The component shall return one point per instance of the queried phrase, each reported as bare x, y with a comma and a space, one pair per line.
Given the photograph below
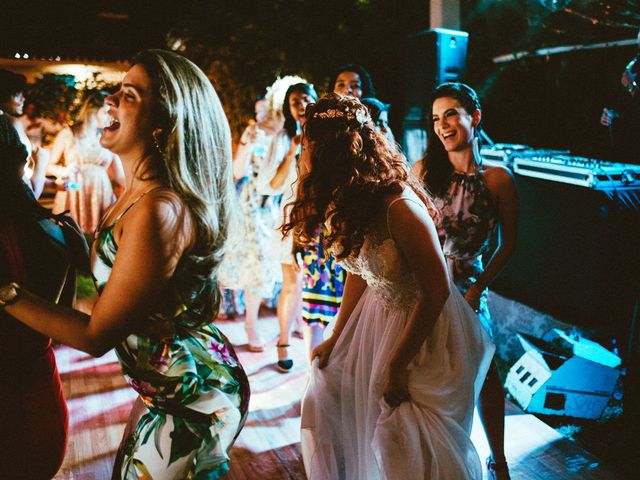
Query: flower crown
359, 114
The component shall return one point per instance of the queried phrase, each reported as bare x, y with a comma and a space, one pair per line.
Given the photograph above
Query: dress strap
136, 200
392, 202
120, 215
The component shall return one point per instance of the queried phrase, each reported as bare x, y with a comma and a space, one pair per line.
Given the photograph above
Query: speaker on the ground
433, 57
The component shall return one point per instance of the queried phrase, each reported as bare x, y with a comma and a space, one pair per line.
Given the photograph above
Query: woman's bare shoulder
497, 176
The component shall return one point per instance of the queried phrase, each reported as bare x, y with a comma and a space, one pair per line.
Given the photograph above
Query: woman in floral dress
249, 264
155, 258
323, 277
473, 201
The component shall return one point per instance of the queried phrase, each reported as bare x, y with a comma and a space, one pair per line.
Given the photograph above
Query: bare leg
491, 410
289, 305
252, 307
313, 336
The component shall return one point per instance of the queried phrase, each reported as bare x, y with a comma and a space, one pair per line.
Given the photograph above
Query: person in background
86, 171
384, 399
624, 124
380, 116
155, 258
249, 264
34, 414
40, 131
278, 177
475, 202
322, 278
352, 79
12, 86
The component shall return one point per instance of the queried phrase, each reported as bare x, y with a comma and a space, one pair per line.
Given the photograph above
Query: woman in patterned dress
323, 278
473, 201
155, 258
249, 264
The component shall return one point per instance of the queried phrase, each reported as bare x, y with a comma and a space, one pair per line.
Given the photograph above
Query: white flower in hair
277, 91
362, 115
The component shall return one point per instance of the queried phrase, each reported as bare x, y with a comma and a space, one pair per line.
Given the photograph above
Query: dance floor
269, 446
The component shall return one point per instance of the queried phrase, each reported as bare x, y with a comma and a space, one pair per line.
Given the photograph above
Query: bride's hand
396, 389
323, 351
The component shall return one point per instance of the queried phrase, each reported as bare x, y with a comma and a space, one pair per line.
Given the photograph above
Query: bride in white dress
392, 390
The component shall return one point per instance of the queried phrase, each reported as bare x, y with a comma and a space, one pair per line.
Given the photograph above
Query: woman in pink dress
89, 169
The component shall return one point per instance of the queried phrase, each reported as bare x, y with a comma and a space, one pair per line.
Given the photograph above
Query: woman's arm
283, 171
40, 160
503, 190
415, 235
243, 152
354, 287
151, 237
56, 165
277, 151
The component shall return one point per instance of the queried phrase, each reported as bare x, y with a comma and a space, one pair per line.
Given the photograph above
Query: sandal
254, 343
497, 470
284, 366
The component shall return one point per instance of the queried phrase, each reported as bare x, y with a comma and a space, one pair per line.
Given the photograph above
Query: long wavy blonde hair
195, 146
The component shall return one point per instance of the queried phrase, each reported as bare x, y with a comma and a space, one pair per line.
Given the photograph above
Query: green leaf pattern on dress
181, 367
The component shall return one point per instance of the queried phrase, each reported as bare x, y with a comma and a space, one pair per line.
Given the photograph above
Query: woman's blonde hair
194, 147
85, 126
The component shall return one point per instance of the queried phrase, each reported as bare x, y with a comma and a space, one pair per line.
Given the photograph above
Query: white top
277, 151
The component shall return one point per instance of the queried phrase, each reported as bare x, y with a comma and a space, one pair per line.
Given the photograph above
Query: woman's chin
107, 140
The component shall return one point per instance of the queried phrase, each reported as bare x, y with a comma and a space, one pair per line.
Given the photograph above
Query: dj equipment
560, 166
581, 171
502, 154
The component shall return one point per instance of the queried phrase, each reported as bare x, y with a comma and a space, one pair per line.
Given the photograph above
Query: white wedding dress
349, 432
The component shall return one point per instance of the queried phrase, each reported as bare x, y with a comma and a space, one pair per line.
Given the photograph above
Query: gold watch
9, 294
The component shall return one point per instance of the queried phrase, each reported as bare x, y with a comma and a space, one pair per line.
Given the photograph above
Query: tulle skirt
348, 430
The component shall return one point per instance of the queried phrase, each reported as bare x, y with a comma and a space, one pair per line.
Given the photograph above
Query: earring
154, 135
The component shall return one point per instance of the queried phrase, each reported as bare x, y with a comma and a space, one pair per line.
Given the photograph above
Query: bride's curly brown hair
352, 169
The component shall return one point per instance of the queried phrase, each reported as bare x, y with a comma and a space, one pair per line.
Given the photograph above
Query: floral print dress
194, 391
249, 263
468, 218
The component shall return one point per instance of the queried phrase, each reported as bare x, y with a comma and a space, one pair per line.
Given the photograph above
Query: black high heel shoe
284, 366
497, 468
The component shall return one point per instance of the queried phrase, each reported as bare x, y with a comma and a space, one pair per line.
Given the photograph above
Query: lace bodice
386, 272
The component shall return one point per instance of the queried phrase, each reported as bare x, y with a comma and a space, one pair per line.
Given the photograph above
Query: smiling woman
155, 257
474, 202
